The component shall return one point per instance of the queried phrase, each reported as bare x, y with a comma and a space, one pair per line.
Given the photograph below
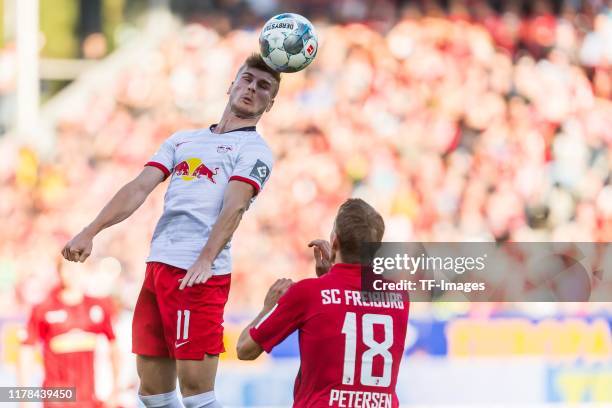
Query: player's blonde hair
357, 222
256, 61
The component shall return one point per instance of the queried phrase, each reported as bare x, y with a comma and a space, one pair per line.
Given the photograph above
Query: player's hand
78, 248
322, 254
198, 273
277, 290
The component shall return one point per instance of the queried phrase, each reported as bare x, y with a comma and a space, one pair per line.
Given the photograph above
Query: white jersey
201, 164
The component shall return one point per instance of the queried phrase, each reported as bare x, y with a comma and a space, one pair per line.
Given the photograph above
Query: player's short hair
357, 222
256, 61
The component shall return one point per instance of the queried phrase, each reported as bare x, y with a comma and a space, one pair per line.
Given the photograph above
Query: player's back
351, 342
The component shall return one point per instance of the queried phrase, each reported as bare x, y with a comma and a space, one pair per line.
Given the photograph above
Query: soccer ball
288, 42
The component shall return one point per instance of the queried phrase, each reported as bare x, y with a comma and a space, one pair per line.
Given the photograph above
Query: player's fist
277, 290
322, 253
78, 248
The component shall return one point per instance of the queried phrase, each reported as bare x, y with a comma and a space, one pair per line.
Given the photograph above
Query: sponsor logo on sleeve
260, 172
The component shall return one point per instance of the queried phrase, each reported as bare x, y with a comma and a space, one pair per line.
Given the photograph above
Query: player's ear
335, 243
229, 90
270, 104
335, 247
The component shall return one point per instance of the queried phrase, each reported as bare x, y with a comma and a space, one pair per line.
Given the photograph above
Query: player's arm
121, 206
106, 328
247, 348
235, 202
115, 356
29, 338
25, 362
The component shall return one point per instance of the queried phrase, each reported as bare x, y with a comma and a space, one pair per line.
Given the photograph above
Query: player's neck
230, 121
71, 296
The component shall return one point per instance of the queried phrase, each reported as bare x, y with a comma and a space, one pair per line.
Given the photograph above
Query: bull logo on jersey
193, 168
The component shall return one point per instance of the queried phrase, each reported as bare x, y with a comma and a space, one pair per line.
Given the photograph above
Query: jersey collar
242, 129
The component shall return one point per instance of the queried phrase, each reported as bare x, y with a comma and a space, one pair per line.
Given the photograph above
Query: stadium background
462, 119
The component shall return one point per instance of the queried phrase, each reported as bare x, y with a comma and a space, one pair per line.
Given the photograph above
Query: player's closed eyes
262, 84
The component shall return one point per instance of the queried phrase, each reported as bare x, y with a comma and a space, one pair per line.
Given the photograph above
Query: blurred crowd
8, 79
469, 122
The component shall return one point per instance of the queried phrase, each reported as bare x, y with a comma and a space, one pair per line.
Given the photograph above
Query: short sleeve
254, 164
33, 331
285, 317
163, 158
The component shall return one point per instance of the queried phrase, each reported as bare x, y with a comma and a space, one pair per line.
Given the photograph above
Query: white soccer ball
288, 42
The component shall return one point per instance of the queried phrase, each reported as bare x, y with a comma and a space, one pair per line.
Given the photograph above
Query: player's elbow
245, 355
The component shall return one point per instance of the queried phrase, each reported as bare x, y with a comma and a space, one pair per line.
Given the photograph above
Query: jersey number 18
349, 329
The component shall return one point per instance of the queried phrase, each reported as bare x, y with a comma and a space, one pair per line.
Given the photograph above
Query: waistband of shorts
183, 270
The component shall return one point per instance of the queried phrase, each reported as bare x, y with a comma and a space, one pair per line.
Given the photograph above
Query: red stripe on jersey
248, 181
159, 166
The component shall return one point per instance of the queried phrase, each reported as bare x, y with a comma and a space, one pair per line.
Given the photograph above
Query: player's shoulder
305, 287
308, 283
183, 134
40, 309
254, 140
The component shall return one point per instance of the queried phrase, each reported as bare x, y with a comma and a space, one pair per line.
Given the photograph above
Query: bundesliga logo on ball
288, 42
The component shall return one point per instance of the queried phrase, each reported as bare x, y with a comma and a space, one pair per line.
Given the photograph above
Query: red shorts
181, 324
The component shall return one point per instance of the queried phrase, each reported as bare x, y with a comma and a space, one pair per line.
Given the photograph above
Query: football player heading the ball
214, 174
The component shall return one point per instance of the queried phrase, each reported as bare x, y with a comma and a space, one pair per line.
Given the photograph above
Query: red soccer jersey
351, 342
68, 335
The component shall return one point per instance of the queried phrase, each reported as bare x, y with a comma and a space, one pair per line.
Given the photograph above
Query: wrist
266, 309
205, 260
258, 318
91, 231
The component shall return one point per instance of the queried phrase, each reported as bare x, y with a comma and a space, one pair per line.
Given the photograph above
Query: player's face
252, 92
71, 275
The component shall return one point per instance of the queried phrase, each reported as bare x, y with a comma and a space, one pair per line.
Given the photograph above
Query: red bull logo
182, 169
193, 168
